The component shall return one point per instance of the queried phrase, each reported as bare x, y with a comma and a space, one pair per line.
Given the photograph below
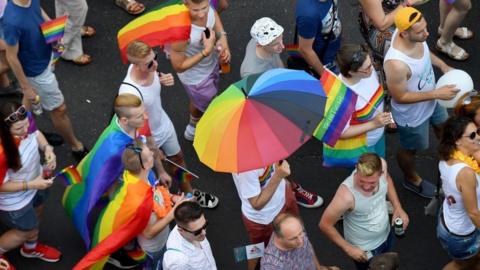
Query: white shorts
171, 147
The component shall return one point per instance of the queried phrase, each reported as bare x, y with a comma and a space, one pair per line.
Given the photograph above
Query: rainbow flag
69, 175
123, 219
340, 105
166, 23
53, 30
292, 50
99, 170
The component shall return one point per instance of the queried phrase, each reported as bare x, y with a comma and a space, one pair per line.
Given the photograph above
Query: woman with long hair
459, 219
22, 185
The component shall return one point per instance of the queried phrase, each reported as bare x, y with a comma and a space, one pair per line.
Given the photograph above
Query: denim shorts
458, 247
154, 259
24, 219
416, 138
383, 248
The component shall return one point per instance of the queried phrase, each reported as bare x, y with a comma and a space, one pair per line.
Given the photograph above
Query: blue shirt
314, 19
21, 26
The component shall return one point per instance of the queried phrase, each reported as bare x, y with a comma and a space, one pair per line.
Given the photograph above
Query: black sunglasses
199, 231
137, 150
18, 115
150, 64
473, 134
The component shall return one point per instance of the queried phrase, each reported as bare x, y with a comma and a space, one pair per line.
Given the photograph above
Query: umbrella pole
181, 167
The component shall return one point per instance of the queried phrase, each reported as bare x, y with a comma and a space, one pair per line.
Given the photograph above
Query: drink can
37, 106
398, 227
47, 173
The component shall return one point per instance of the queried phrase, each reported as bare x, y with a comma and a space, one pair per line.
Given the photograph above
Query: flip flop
460, 33
82, 60
87, 31
127, 6
448, 49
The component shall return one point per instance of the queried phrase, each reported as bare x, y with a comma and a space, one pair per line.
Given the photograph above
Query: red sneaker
5, 264
306, 198
42, 252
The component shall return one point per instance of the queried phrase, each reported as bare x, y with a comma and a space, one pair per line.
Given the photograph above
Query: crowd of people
138, 156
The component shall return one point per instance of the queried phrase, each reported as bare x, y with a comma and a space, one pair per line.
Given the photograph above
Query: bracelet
220, 34
24, 185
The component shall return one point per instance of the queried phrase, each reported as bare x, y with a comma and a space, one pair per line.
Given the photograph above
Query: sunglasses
199, 231
150, 64
137, 150
18, 115
473, 134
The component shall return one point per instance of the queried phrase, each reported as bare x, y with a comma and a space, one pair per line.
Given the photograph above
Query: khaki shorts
46, 85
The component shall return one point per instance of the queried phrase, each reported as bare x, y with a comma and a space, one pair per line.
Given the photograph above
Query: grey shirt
253, 64
297, 259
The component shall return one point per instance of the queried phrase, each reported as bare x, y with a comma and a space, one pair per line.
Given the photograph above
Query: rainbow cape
123, 219
99, 170
3, 157
53, 30
340, 105
346, 152
166, 23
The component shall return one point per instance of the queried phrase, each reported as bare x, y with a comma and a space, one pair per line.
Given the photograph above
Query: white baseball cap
265, 30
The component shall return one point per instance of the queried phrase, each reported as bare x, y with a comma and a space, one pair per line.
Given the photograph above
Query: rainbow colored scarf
123, 219
346, 152
99, 169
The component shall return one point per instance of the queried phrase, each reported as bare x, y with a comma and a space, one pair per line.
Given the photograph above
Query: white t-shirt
183, 255
250, 184
365, 89
160, 124
30, 158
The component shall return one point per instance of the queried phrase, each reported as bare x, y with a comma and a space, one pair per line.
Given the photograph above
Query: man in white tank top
360, 199
411, 83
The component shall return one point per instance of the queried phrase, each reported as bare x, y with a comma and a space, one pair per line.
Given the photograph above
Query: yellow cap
406, 17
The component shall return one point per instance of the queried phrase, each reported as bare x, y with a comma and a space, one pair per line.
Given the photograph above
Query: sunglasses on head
150, 64
199, 231
137, 150
473, 134
18, 115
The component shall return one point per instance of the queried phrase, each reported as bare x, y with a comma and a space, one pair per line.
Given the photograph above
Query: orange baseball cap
406, 17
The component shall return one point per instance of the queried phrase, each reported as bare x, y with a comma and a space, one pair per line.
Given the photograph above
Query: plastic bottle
36, 106
224, 66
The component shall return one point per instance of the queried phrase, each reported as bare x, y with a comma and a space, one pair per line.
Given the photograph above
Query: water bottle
37, 106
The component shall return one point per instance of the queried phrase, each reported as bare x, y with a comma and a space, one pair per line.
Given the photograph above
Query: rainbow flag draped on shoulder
165, 23
340, 105
346, 152
99, 169
123, 219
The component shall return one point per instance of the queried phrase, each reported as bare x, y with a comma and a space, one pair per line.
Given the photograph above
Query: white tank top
202, 69
421, 80
454, 213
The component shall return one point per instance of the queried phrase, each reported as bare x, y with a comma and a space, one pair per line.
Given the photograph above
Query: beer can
398, 227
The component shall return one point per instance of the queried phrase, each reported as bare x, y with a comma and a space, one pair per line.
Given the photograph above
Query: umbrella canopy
259, 120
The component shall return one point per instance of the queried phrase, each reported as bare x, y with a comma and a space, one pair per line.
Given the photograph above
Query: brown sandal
82, 60
87, 31
129, 6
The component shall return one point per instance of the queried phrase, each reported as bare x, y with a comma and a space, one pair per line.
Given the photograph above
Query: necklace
469, 160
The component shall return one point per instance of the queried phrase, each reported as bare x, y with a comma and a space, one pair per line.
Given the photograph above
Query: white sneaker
189, 133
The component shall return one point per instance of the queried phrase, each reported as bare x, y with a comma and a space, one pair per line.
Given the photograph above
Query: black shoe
121, 260
53, 138
80, 154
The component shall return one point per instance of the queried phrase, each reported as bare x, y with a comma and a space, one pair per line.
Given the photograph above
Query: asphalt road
89, 92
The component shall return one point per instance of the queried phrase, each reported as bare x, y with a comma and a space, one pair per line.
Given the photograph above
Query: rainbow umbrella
259, 120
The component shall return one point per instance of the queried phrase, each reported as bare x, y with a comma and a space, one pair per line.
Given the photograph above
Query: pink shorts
202, 94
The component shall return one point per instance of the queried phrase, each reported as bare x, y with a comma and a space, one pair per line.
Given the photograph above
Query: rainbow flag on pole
70, 176
340, 105
166, 23
54, 30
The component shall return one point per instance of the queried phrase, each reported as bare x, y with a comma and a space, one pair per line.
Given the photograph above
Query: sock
30, 244
193, 121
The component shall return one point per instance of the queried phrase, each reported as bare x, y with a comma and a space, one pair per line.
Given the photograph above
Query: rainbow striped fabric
53, 30
99, 170
70, 176
340, 105
123, 219
346, 152
166, 23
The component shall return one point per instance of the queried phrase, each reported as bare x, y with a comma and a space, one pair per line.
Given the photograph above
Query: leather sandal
452, 50
460, 33
82, 60
87, 31
132, 7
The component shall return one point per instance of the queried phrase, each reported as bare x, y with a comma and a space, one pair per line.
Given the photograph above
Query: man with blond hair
360, 199
145, 82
